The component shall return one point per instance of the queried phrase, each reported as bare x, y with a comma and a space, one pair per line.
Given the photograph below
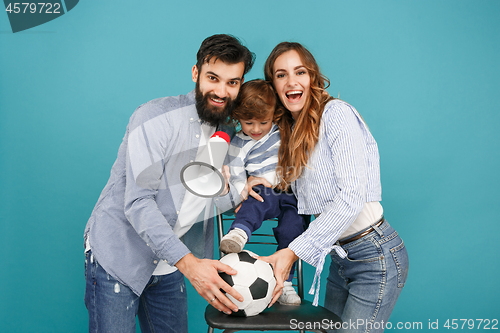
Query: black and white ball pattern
254, 281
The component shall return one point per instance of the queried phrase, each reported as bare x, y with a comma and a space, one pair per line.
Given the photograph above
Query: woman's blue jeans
363, 288
113, 307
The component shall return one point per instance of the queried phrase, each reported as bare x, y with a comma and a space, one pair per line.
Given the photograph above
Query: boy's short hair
256, 100
225, 48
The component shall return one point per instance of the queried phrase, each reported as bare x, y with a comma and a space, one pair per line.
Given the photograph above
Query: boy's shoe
289, 295
234, 241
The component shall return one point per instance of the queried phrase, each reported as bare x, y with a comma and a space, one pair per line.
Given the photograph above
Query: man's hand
282, 262
227, 175
202, 273
251, 182
237, 209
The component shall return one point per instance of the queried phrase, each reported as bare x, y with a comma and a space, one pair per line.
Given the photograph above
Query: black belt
363, 234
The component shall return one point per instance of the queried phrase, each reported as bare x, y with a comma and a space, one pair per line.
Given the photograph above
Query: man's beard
211, 114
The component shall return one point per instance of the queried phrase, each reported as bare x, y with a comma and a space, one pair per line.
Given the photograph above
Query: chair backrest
263, 236
279, 317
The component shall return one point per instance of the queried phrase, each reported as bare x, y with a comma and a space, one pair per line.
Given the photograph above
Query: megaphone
203, 177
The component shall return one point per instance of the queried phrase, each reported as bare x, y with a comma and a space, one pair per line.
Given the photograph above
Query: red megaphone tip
222, 135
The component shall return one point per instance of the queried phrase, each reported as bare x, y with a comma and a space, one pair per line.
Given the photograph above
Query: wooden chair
278, 317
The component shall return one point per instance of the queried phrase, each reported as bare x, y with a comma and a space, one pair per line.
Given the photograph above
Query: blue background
424, 74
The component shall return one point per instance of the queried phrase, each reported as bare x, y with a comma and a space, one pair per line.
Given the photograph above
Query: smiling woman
292, 82
331, 160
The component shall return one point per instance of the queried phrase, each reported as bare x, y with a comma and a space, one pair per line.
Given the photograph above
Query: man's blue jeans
363, 288
113, 307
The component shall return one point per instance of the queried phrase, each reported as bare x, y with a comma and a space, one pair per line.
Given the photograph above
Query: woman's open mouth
294, 96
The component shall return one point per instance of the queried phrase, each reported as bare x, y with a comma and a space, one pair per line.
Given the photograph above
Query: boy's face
257, 128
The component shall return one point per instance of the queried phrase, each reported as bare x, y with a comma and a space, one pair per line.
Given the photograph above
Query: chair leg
210, 329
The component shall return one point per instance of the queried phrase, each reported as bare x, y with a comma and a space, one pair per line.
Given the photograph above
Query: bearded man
137, 239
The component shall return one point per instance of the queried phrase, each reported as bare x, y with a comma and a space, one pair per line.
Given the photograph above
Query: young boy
254, 152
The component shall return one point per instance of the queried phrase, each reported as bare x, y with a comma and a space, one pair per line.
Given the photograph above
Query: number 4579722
485, 324
33, 7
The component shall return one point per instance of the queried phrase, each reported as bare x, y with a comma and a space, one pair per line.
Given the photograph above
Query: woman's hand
251, 182
282, 262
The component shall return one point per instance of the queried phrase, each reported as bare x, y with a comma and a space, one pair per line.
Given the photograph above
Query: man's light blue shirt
131, 226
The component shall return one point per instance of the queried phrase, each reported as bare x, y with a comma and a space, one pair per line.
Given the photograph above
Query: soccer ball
254, 281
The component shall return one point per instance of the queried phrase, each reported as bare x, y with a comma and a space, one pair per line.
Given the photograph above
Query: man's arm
145, 163
146, 158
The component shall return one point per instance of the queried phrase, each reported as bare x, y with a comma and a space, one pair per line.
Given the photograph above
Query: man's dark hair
225, 48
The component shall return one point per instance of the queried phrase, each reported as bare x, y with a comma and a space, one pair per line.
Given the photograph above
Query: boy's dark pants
281, 205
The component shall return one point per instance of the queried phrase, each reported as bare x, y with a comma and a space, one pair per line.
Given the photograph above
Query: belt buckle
364, 233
